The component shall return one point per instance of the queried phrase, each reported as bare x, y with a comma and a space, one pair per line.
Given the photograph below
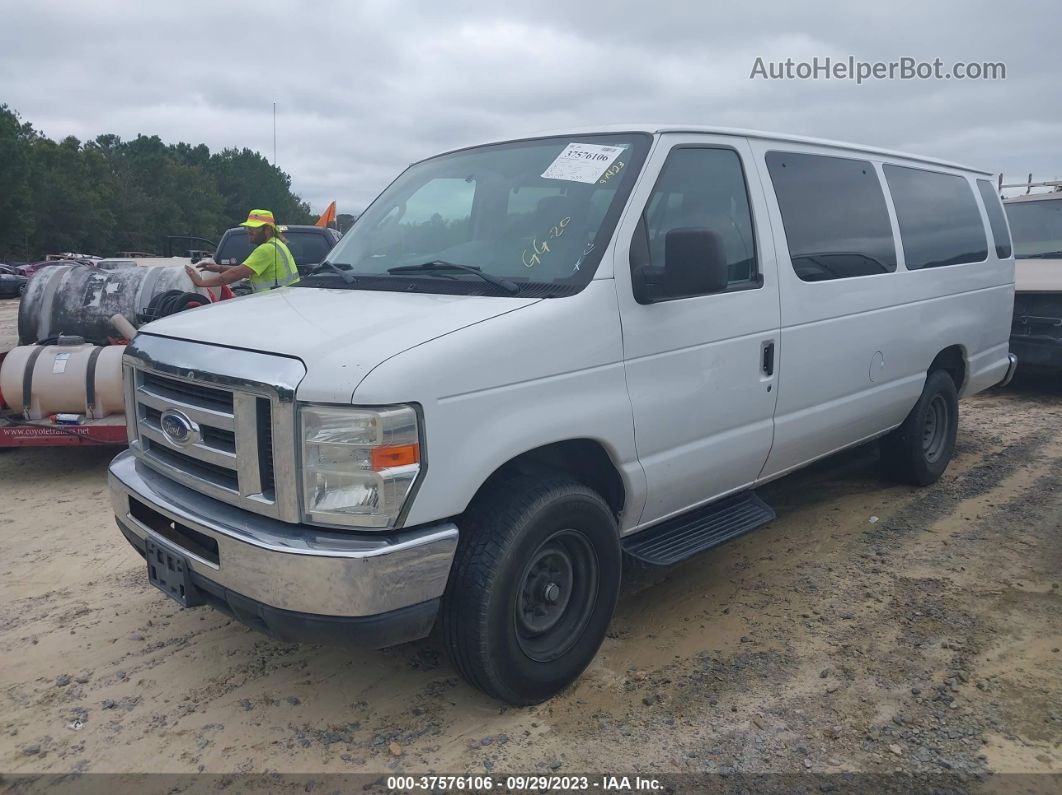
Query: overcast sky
364, 88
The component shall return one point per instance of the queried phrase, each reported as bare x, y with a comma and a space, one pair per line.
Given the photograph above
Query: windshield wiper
327, 268
442, 265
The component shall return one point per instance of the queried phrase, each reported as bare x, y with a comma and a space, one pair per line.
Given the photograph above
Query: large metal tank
79, 300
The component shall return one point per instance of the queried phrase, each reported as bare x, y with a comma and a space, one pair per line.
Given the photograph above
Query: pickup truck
308, 245
530, 360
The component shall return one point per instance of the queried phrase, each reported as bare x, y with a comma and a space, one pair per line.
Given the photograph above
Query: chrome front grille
211, 398
241, 448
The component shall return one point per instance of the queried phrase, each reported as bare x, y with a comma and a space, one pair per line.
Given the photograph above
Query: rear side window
308, 248
1037, 227
995, 218
938, 218
834, 213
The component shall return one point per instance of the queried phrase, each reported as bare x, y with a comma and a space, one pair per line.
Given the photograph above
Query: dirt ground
871, 627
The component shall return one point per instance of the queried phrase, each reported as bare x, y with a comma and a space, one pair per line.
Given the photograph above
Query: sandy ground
871, 627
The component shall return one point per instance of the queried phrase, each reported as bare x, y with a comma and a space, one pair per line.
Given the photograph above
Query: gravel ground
871, 628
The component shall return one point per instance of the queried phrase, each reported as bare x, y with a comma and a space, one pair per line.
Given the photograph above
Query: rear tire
918, 451
533, 587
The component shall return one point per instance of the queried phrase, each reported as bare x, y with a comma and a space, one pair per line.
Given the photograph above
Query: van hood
340, 335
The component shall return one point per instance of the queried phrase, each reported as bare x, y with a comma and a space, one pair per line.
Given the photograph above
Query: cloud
363, 89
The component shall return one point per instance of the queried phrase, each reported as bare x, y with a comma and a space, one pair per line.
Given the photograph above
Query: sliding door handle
767, 361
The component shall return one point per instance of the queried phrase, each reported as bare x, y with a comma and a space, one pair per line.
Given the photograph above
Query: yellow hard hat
257, 218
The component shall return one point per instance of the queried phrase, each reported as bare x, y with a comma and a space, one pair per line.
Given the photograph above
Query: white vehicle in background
529, 358
1036, 225
70, 255
115, 263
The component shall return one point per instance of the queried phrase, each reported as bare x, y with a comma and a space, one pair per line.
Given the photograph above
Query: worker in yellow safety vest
269, 264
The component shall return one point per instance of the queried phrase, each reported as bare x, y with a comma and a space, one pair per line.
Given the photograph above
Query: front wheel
918, 451
533, 587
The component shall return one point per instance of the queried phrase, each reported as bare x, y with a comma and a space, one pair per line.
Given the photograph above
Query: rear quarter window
938, 217
996, 220
834, 213
234, 248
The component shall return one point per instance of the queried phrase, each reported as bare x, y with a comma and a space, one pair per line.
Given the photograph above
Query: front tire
533, 587
918, 451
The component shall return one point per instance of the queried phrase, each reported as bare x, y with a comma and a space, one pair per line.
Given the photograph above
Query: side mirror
694, 263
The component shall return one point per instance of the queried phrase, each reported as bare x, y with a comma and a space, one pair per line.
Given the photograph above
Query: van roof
693, 128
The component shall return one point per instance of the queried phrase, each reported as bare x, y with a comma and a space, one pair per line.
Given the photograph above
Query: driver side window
702, 188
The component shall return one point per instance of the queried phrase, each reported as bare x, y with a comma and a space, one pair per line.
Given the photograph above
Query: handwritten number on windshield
612, 171
533, 256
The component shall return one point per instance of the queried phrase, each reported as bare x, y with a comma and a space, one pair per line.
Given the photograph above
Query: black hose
171, 302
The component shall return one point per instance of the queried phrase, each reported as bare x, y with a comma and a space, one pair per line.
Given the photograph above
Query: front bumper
295, 582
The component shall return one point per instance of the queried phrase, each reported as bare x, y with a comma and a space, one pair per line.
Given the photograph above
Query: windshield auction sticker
582, 162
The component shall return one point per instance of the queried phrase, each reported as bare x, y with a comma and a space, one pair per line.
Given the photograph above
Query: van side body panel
854, 351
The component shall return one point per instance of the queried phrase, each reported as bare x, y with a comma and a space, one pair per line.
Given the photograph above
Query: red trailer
45, 433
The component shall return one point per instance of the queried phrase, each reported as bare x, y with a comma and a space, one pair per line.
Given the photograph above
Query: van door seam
779, 359
630, 401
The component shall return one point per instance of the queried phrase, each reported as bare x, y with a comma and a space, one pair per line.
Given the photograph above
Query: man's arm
231, 274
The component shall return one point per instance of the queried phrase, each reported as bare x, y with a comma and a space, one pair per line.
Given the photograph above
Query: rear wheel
918, 451
533, 587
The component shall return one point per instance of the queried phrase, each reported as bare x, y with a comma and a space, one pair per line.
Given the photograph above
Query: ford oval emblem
178, 428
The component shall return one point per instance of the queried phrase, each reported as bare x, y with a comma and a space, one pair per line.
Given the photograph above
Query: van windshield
1036, 227
534, 216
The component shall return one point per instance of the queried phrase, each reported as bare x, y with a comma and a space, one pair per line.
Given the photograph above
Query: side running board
680, 538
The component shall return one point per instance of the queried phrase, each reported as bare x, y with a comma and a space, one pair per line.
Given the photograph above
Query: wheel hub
935, 428
556, 596
547, 587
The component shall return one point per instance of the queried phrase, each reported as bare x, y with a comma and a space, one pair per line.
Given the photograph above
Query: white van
530, 358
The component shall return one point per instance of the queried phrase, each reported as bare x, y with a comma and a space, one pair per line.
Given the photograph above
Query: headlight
358, 464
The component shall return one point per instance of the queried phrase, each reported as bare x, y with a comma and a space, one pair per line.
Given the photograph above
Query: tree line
109, 195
